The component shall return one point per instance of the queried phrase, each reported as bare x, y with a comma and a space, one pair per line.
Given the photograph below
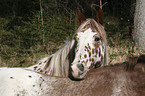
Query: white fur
16, 82
85, 38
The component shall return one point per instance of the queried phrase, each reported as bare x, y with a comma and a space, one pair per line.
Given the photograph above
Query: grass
26, 59
120, 54
23, 61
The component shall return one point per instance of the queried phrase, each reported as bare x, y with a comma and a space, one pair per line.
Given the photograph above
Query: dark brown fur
106, 81
133, 60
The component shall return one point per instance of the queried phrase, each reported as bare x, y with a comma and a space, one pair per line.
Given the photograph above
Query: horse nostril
80, 73
81, 67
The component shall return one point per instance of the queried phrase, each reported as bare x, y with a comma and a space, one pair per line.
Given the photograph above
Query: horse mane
58, 63
91, 23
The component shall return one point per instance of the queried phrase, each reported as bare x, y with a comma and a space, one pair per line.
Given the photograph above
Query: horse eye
97, 39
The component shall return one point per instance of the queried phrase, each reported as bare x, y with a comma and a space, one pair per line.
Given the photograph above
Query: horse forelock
58, 63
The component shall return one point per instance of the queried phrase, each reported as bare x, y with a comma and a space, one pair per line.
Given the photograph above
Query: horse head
91, 45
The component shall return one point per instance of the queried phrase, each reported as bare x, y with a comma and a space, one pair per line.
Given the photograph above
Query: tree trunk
41, 10
139, 24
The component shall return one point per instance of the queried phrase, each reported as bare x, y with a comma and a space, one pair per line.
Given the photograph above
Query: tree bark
41, 10
139, 24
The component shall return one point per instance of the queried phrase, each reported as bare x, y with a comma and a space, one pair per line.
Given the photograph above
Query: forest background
33, 29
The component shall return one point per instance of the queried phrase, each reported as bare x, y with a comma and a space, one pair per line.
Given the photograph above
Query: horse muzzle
79, 72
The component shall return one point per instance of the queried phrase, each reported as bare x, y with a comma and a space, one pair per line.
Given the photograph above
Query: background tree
139, 24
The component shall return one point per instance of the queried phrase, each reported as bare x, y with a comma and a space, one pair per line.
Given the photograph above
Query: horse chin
77, 78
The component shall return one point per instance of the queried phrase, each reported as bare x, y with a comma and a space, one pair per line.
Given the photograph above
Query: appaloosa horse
87, 50
112, 80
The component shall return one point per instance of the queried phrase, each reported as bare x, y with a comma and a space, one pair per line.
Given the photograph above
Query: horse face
89, 52
90, 49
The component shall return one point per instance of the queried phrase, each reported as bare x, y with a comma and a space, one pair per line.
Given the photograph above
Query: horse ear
100, 17
80, 17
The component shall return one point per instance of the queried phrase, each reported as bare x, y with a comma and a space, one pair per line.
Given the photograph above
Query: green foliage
117, 35
21, 36
59, 28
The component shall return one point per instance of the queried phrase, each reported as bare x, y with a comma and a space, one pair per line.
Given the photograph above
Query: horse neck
56, 64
